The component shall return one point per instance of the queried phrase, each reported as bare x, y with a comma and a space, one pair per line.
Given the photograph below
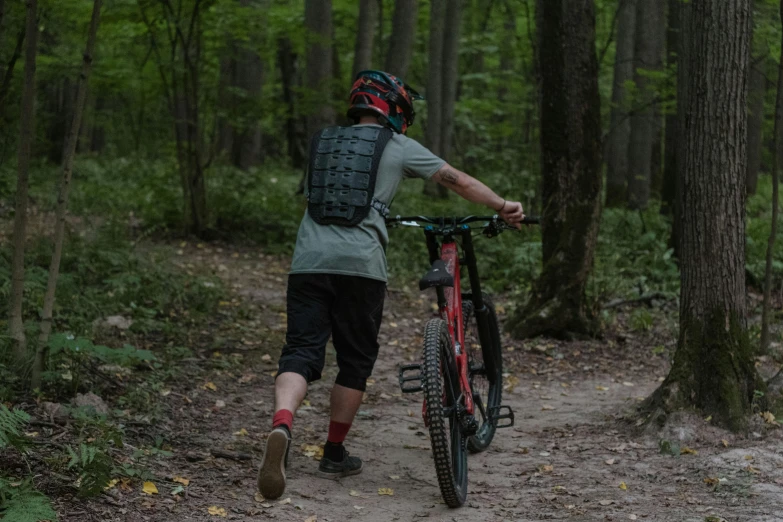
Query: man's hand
512, 213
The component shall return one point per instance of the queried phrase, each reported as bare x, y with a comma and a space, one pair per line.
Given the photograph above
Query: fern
21, 502
95, 467
11, 425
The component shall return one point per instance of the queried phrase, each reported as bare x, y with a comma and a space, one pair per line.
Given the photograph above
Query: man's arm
475, 191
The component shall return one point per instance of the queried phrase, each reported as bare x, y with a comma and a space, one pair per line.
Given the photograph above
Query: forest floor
575, 452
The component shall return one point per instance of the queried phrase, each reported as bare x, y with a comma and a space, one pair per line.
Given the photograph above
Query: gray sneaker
271, 476
345, 468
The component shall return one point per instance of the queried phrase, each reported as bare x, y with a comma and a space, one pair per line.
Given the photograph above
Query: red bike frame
451, 312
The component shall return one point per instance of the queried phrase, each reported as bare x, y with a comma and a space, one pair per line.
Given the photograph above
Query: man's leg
309, 299
356, 320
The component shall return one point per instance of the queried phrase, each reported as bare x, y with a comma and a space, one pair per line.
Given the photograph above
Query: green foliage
12, 423
633, 256
641, 320
94, 466
21, 502
71, 346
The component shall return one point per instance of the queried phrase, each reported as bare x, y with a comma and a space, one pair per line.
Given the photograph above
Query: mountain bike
461, 372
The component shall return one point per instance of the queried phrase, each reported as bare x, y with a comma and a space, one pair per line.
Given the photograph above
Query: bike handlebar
448, 220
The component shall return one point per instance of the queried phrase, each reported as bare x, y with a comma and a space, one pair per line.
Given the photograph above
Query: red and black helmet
386, 95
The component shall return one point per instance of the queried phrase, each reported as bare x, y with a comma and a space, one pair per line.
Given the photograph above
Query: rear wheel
485, 371
442, 398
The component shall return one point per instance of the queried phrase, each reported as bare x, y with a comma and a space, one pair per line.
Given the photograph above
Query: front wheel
442, 399
485, 370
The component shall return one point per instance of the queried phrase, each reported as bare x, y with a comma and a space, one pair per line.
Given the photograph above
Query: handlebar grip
531, 220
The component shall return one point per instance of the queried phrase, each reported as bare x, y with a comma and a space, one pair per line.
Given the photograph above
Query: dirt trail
567, 457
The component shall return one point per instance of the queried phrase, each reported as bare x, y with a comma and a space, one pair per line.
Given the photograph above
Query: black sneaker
345, 468
271, 476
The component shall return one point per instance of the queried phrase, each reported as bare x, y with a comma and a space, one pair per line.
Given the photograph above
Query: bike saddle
437, 276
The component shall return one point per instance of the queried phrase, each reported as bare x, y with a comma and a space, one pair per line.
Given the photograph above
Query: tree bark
365, 35
450, 76
757, 91
436, 87
620, 126
669, 189
26, 134
5, 85
287, 61
648, 55
62, 199
403, 35
318, 22
713, 368
778, 150
571, 172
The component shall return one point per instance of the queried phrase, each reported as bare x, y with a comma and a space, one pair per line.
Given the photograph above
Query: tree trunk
62, 200
365, 35
620, 126
571, 171
287, 61
318, 22
403, 35
778, 150
756, 93
669, 189
683, 93
436, 87
450, 77
26, 134
648, 55
5, 85
713, 368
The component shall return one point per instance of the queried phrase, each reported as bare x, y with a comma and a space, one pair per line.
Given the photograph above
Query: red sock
283, 418
337, 432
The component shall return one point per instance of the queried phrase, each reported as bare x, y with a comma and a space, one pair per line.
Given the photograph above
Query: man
338, 276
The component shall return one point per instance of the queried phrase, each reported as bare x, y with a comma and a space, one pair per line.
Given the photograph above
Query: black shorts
349, 308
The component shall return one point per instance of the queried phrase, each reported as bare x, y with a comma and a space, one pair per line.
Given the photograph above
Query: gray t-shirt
361, 250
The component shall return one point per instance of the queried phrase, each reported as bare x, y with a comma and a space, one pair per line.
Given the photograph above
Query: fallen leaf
220, 404
623, 486
393, 325
285, 501
306, 403
149, 488
546, 468
210, 386
354, 493
685, 450
181, 480
31, 434
751, 469
241, 433
111, 484
606, 502
394, 477
632, 517
547, 407
217, 511
609, 461
165, 393
725, 443
312, 450
386, 491
602, 388
311, 519
769, 417
258, 497
748, 457
711, 481
177, 490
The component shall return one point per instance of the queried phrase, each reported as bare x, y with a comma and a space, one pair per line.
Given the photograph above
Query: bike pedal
406, 377
500, 413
